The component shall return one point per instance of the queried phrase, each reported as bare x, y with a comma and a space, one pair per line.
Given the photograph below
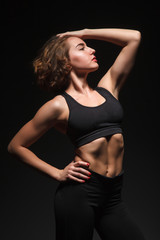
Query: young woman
89, 193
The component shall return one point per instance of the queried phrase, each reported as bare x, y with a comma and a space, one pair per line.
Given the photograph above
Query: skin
103, 155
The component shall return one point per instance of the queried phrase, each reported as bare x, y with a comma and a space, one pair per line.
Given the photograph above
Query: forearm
120, 37
30, 158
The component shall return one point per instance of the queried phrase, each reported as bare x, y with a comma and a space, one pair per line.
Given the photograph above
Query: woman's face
81, 56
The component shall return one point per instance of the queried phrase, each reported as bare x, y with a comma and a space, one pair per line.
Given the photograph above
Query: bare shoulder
46, 117
54, 109
58, 103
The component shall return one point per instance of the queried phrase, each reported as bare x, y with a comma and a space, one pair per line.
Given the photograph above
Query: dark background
27, 194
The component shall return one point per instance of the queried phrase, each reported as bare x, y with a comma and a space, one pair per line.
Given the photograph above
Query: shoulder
58, 103
52, 109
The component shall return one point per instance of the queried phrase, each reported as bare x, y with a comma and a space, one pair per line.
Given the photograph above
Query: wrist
59, 174
55, 173
90, 33
86, 32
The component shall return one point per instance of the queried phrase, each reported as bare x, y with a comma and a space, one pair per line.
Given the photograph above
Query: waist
103, 180
100, 182
100, 191
104, 155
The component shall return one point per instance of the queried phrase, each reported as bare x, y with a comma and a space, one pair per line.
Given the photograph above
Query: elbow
137, 36
10, 148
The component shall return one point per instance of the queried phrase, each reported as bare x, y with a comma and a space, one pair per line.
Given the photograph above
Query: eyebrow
80, 44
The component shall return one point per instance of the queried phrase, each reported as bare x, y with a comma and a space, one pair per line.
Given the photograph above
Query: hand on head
79, 33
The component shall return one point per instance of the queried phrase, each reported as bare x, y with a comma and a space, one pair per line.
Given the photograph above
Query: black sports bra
86, 124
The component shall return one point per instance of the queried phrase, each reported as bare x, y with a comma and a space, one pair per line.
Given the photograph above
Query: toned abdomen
104, 154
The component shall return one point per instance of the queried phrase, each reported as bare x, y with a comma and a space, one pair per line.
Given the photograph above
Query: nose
92, 51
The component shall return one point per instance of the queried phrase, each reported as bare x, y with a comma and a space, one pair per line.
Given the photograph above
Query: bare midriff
104, 155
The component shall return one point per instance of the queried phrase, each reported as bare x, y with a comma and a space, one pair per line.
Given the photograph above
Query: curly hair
52, 66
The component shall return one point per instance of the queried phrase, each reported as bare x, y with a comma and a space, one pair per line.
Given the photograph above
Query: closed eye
81, 46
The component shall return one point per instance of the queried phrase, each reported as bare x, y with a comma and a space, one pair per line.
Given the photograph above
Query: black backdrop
27, 195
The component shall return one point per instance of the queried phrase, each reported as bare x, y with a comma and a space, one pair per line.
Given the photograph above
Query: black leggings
97, 203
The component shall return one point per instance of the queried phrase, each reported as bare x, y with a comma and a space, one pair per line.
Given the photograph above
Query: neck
78, 83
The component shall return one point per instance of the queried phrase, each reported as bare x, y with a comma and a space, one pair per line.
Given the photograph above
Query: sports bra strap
69, 100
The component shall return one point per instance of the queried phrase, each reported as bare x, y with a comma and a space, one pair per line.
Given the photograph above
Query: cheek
79, 59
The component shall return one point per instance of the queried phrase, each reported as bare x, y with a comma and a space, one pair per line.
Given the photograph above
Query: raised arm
129, 40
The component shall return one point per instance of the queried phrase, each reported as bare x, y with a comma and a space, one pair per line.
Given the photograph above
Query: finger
63, 34
59, 35
75, 179
82, 170
81, 163
80, 175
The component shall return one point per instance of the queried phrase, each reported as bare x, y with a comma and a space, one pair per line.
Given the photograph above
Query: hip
99, 191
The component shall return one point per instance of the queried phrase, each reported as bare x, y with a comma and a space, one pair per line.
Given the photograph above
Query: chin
94, 69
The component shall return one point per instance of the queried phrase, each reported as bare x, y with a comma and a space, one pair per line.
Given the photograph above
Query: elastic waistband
106, 179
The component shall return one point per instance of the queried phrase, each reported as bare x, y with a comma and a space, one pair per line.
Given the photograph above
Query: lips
94, 59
